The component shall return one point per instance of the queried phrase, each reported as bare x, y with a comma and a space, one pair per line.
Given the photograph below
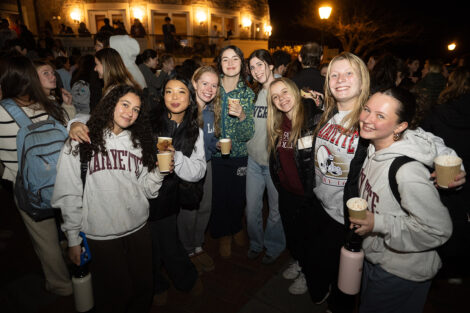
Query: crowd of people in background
310, 132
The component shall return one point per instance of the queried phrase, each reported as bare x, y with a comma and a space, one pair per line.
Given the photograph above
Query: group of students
310, 159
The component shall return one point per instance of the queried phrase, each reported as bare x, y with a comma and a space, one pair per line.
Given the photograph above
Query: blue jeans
273, 239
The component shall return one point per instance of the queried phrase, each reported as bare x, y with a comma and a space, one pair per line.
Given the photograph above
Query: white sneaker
293, 271
299, 286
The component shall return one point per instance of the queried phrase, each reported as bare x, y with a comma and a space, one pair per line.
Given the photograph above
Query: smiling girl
176, 116
400, 237
192, 223
234, 121
112, 208
290, 127
258, 177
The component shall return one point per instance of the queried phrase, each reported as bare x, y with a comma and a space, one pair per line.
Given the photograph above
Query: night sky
442, 24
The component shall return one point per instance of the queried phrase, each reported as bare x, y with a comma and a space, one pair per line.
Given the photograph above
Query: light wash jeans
273, 239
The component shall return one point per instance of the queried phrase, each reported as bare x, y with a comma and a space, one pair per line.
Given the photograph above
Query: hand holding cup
359, 216
235, 109
225, 146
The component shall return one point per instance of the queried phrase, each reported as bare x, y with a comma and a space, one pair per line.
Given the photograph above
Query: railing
187, 46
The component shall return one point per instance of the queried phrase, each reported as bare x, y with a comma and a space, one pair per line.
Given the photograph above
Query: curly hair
102, 120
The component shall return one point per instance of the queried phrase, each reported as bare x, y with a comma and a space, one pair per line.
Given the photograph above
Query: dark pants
315, 239
121, 272
228, 196
325, 250
386, 293
455, 253
169, 252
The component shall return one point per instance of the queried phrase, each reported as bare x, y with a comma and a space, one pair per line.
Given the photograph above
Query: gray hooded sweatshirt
403, 240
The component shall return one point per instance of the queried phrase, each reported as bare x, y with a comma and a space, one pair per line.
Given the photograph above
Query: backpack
38, 147
392, 173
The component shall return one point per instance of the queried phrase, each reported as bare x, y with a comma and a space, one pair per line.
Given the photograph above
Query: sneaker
293, 271
299, 286
267, 259
252, 254
160, 299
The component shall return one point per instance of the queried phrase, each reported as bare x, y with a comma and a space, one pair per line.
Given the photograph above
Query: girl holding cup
176, 116
192, 224
336, 144
234, 121
120, 157
399, 238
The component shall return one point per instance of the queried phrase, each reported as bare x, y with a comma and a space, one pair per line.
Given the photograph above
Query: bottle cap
353, 241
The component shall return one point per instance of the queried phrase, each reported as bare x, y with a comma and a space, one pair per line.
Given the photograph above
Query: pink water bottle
350, 265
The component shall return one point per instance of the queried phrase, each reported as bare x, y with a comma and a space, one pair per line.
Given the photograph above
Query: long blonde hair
215, 104
274, 120
350, 121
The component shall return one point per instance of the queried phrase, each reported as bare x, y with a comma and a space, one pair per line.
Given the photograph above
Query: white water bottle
81, 280
82, 289
351, 264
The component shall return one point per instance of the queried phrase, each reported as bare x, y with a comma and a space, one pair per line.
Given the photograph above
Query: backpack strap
392, 173
16, 112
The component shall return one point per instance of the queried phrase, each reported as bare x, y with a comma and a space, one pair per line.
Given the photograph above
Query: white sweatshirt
128, 48
114, 203
402, 241
192, 169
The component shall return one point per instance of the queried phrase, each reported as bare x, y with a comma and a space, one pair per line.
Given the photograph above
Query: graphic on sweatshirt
335, 149
120, 160
325, 162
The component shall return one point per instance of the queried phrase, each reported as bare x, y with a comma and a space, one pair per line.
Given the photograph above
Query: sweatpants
168, 252
386, 293
228, 195
121, 272
192, 224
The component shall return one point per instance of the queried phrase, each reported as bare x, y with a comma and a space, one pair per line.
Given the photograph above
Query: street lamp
324, 12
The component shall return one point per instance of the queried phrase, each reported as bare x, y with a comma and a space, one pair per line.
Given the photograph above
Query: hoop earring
396, 136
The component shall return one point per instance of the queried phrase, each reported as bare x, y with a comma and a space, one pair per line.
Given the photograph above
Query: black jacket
311, 79
305, 158
168, 201
451, 122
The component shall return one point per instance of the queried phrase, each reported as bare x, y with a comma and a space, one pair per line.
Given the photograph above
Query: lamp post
324, 12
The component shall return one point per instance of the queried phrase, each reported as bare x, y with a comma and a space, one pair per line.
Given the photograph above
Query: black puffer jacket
167, 203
